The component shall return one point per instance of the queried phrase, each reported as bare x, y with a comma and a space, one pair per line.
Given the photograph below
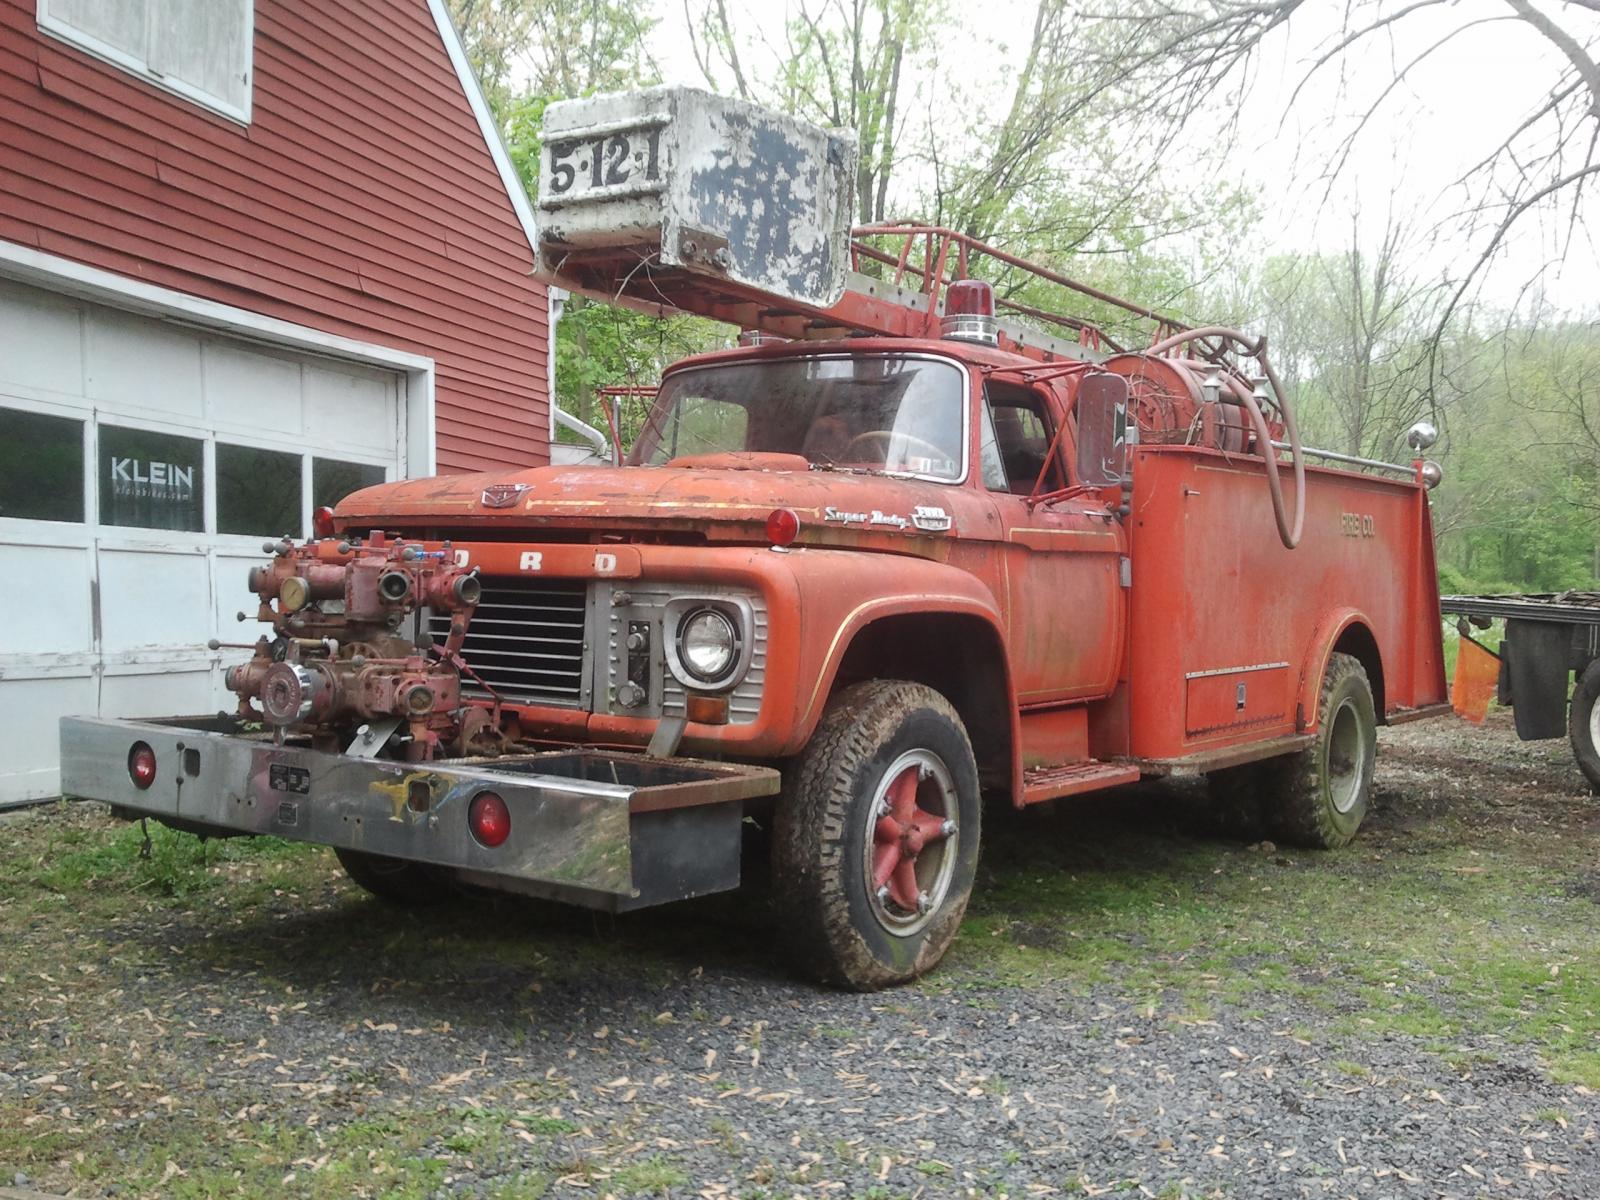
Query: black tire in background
886, 758
395, 880
1583, 723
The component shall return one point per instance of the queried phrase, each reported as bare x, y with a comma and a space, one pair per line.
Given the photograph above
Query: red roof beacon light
489, 819
322, 521
141, 765
969, 312
783, 526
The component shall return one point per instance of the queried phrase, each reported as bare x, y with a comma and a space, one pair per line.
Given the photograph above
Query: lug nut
948, 829
924, 903
924, 772
883, 894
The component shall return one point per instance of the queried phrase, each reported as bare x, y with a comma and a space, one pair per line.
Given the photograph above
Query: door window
151, 480
41, 466
258, 491
1022, 435
333, 479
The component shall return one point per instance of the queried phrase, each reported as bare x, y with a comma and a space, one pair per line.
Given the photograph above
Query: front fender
841, 593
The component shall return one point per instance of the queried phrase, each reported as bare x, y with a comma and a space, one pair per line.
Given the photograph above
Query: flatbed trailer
1549, 664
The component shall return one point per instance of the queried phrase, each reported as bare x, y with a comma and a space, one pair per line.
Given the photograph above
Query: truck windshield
888, 413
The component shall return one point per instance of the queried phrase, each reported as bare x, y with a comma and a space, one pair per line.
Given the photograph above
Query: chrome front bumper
605, 830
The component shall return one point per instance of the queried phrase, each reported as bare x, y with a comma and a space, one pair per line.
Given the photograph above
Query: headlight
708, 644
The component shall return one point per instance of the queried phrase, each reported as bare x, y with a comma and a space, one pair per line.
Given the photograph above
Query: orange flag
1477, 673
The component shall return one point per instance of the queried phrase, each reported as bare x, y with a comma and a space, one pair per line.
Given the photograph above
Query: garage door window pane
332, 480
258, 491
41, 467
151, 480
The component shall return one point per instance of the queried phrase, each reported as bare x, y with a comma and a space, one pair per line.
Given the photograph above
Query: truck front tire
395, 880
1583, 723
876, 842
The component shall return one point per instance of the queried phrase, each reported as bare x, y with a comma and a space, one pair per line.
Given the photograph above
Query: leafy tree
566, 48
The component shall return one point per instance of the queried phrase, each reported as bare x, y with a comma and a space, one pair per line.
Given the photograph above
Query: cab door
1065, 605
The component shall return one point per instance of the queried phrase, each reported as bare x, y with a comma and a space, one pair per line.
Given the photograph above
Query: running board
1052, 783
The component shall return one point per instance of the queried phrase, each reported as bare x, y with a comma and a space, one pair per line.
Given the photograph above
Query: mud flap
1537, 672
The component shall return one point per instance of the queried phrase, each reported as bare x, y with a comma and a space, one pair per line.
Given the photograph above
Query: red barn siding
361, 200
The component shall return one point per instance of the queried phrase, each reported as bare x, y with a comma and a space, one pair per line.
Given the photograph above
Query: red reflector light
969, 298
490, 819
322, 521
783, 526
141, 765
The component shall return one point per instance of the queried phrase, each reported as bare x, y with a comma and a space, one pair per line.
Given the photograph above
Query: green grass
176, 865
655, 1176
1464, 933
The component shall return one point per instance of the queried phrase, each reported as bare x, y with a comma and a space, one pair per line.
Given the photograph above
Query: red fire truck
917, 551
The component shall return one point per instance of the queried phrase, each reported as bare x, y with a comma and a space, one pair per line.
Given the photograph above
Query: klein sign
136, 479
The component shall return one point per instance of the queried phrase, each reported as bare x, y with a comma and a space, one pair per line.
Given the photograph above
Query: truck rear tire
1323, 790
1583, 723
395, 880
876, 840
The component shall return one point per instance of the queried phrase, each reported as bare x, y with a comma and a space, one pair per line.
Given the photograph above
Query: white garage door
142, 463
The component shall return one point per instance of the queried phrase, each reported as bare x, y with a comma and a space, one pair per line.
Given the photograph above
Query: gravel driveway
1135, 1006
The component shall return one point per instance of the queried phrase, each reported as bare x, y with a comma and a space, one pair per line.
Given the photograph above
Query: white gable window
199, 49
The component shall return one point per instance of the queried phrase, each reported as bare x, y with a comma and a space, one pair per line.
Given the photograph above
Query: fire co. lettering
156, 480
532, 560
1358, 525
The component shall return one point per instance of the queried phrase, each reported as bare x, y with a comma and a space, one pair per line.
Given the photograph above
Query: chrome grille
526, 641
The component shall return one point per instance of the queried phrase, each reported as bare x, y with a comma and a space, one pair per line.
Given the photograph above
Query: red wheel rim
911, 842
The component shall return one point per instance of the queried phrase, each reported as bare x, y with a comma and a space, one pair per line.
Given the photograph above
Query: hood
719, 503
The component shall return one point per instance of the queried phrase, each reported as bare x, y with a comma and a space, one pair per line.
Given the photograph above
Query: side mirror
1102, 409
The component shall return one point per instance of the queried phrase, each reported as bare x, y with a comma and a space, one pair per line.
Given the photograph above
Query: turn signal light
141, 765
783, 526
706, 710
322, 521
489, 819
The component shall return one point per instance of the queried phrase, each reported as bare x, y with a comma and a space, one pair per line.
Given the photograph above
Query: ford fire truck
912, 550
